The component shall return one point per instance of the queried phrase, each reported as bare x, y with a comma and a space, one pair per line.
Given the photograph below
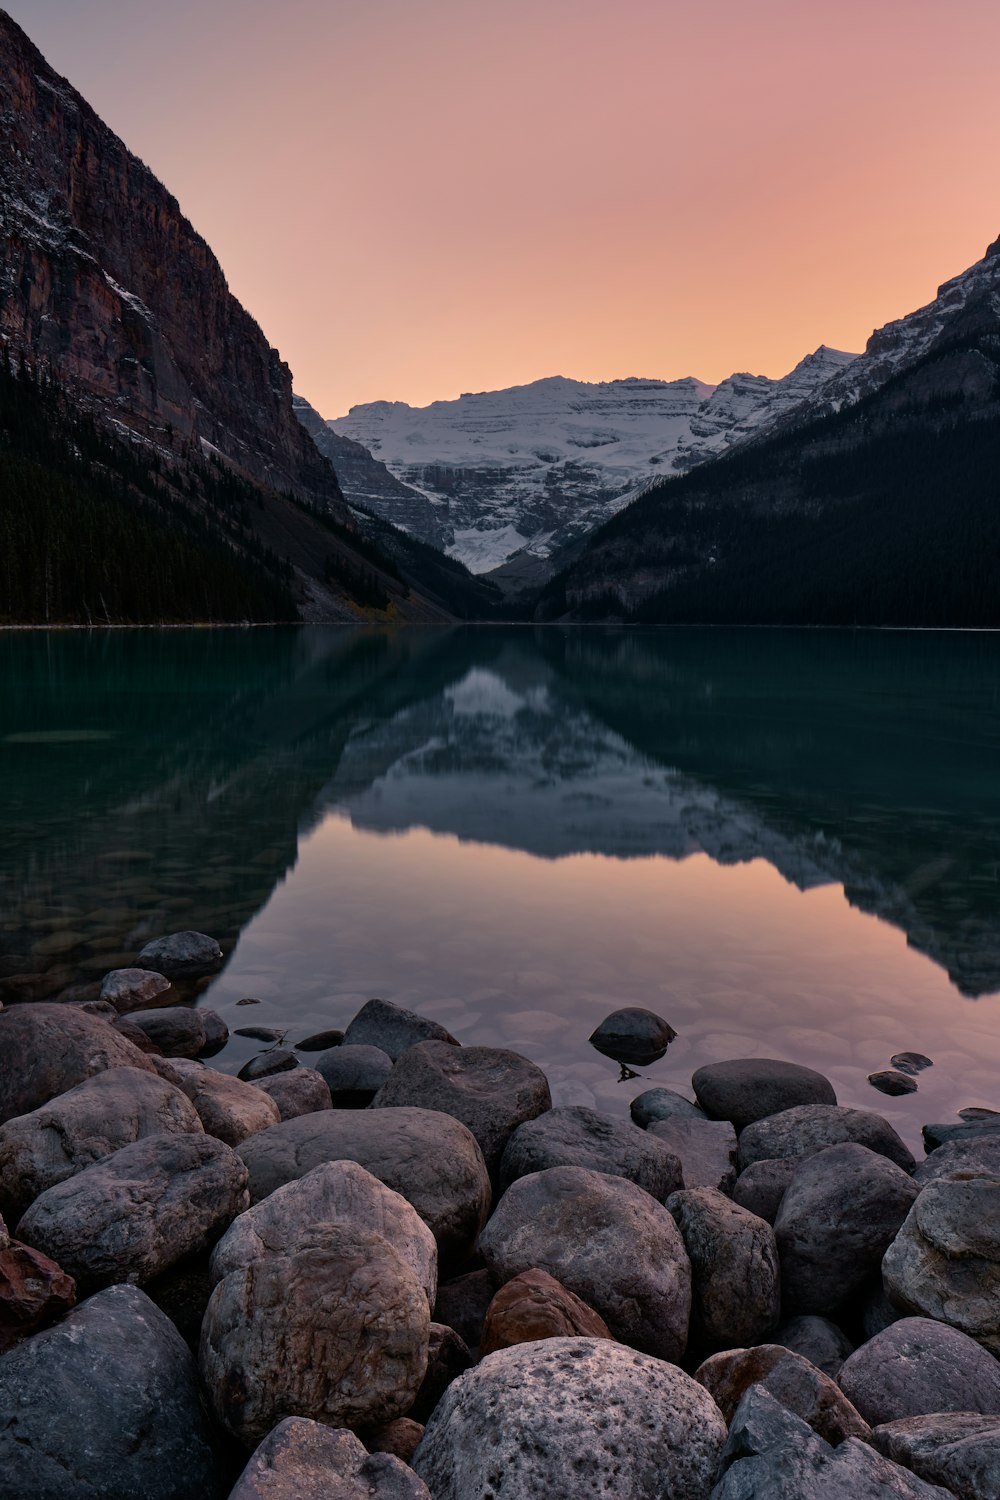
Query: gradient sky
422, 197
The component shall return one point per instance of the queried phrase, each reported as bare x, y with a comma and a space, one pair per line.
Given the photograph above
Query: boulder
573, 1136
462, 1304
33, 1292
353, 1075
300, 1091
305, 1460
606, 1240
321, 1041
337, 1332
973, 1129
761, 1187
47, 1049
633, 1035
771, 1454
706, 1150
298, 1216
274, 1060
840, 1213
569, 1418
134, 1214
133, 989
536, 1306
380, 1023
945, 1261
432, 1159
978, 1157
818, 1340
960, 1451
401, 1438
106, 1403
490, 1090
790, 1379
448, 1356
662, 1104
84, 1125
735, 1291
181, 955
227, 1108
809, 1128
918, 1366
746, 1089
182, 1030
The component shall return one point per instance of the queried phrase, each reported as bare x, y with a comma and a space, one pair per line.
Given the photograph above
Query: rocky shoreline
381, 1263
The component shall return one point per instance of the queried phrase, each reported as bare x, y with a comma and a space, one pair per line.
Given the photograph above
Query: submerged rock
134, 989
580, 1417
746, 1089
573, 1136
910, 1062
380, 1023
633, 1035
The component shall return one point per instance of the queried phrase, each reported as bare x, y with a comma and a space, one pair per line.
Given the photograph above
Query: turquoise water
788, 843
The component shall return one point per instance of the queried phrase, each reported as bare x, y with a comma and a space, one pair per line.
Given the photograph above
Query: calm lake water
787, 843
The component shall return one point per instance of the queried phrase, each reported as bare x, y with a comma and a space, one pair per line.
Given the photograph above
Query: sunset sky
422, 197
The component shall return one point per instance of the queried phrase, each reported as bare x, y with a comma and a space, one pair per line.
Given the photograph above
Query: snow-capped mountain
532, 468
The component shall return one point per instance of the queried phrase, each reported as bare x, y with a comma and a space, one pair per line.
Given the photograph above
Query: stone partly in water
963, 1129
84, 1125
353, 1074
305, 1460
918, 1366
960, 1451
33, 1291
47, 1049
536, 1306
735, 1291
300, 1091
633, 1035
431, 1158
183, 1030
274, 1060
134, 989
746, 1089
662, 1104
809, 1128
354, 1298
106, 1403
320, 1041
228, 1109
181, 955
573, 1136
945, 1261
489, 1089
580, 1417
138, 1212
606, 1240
910, 1062
889, 1082
380, 1023
840, 1213
790, 1379
706, 1150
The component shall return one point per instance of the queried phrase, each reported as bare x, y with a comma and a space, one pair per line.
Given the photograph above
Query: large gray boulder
181, 955
977, 1157
299, 1091
106, 1404
790, 1379
182, 1030
305, 1460
47, 1049
432, 1159
573, 1136
809, 1128
746, 1089
817, 1340
136, 1213
298, 1216
761, 1187
606, 1240
353, 1074
87, 1123
490, 1090
735, 1290
958, 1450
337, 1332
572, 1419
771, 1454
706, 1150
228, 1108
917, 1366
945, 1260
839, 1214
380, 1023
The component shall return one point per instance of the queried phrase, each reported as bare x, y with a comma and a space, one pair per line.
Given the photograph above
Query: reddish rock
533, 1306
33, 1291
401, 1438
790, 1379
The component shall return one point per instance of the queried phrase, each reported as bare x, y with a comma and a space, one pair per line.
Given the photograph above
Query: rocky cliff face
104, 280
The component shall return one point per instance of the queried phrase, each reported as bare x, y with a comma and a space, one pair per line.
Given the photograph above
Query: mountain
874, 501
525, 472
115, 312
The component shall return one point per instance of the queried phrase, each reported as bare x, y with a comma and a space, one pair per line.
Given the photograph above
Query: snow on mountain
530, 469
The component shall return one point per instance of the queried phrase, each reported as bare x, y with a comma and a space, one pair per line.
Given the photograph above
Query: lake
785, 842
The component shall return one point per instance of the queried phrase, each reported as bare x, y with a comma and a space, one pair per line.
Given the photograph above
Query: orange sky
422, 197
